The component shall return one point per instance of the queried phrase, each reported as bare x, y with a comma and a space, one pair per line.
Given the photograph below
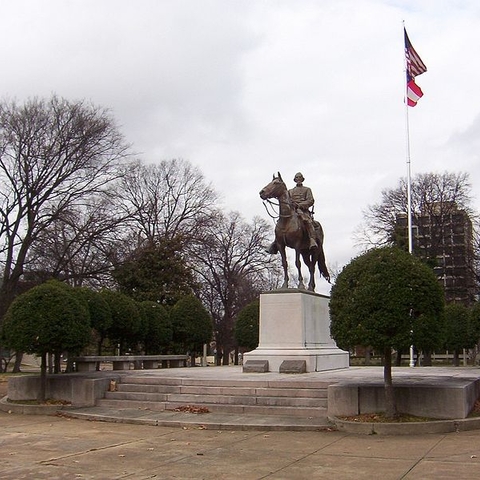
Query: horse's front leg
283, 254
298, 264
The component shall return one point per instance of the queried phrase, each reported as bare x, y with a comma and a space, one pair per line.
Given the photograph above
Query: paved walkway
42, 447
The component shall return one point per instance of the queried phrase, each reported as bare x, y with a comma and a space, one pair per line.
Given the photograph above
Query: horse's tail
322, 266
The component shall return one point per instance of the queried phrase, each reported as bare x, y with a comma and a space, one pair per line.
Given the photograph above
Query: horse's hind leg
298, 264
310, 263
311, 283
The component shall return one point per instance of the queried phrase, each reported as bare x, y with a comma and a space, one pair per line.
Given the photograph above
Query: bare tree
80, 246
54, 154
443, 227
435, 195
233, 268
170, 199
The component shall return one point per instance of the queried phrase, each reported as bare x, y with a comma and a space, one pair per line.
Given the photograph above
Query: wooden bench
88, 363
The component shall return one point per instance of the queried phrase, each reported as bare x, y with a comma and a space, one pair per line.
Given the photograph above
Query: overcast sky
246, 88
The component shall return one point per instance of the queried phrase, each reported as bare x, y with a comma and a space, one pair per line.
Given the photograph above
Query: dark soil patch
381, 418
48, 401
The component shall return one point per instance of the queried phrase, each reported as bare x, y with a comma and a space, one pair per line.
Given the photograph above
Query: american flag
415, 66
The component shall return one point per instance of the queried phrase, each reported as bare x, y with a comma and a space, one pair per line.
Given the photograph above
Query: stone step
209, 421
291, 411
295, 398
217, 399
147, 388
291, 383
137, 396
221, 390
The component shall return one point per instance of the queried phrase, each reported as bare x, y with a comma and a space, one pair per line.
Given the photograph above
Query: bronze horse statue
290, 232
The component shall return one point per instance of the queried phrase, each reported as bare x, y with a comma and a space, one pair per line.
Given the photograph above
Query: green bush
192, 325
384, 295
100, 314
158, 332
247, 326
125, 329
48, 318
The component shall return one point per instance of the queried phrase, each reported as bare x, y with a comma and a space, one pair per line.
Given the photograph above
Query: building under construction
443, 237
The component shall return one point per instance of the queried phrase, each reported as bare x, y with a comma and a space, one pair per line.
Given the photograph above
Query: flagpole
409, 209
409, 182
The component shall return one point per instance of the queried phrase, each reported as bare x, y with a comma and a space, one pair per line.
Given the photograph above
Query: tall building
443, 237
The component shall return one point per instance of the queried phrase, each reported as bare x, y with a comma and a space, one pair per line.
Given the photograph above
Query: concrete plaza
58, 447
43, 447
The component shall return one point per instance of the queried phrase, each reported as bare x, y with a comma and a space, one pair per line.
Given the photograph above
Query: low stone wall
81, 390
444, 399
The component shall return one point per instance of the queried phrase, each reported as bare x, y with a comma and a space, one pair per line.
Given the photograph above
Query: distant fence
467, 357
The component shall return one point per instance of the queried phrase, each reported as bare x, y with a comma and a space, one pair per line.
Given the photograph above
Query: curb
23, 409
408, 428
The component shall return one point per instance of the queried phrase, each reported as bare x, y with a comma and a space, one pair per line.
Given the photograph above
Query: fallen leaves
192, 409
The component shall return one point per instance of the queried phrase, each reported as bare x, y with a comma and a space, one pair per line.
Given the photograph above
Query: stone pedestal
295, 325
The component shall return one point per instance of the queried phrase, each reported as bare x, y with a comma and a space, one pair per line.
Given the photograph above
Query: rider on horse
302, 199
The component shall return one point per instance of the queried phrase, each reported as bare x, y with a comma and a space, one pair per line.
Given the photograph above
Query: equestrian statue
296, 229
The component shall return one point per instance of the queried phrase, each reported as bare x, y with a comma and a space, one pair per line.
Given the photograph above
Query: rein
273, 204
271, 215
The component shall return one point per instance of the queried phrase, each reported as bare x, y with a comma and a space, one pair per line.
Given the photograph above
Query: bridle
272, 205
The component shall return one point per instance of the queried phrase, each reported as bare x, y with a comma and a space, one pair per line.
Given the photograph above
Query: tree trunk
456, 358
236, 355
69, 367
218, 356
368, 353
50, 363
225, 357
18, 362
7, 294
427, 358
398, 358
390, 406
43, 378
57, 365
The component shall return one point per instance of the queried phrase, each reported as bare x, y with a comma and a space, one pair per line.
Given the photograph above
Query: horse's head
275, 189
